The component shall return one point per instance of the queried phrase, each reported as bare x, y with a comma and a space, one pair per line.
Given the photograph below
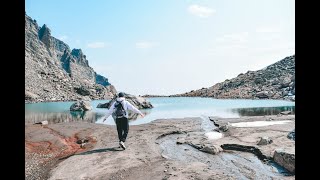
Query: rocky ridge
276, 81
54, 72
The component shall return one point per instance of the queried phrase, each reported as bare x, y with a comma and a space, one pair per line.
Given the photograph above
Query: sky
171, 46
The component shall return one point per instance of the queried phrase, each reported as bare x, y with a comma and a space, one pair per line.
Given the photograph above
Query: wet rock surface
285, 159
171, 148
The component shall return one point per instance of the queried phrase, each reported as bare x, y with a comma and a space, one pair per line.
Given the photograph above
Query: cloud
200, 11
96, 45
62, 38
144, 45
268, 30
234, 38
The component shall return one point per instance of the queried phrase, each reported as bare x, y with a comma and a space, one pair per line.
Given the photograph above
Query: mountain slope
276, 81
53, 72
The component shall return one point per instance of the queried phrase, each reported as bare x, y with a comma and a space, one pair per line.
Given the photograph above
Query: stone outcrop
138, 102
224, 127
81, 106
102, 80
264, 141
285, 159
276, 81
211, 149
54, 72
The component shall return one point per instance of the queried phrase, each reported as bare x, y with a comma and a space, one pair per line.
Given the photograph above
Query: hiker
119, 109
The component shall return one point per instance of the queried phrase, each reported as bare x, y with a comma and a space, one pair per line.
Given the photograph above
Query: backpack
119, 110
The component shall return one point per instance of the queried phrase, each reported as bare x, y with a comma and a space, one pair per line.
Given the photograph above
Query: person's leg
125, 125
119, 128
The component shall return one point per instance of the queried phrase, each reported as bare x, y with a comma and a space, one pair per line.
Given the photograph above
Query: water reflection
59, 112
262, 111
70, 116
56, 117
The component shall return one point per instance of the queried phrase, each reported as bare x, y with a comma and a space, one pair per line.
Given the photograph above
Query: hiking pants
122, 128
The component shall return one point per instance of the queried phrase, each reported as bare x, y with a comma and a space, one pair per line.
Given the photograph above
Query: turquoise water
164, 107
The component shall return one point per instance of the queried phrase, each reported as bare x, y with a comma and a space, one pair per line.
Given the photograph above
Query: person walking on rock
119, 109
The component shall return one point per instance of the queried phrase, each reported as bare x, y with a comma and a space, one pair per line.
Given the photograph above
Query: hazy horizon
170, 47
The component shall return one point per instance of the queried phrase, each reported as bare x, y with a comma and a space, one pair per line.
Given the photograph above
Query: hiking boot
122, 145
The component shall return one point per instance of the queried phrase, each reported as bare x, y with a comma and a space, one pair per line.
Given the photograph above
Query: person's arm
134, 109
109, 112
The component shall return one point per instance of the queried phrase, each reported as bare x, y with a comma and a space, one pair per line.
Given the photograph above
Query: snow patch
213, 135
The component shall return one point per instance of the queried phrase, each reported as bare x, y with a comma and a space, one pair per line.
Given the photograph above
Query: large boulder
211, 149
264, 141
285, 82
81, 106
285, 159
262, 94
138, 102
103, 105
224, 127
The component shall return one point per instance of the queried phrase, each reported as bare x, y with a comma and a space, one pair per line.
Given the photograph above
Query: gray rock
264, 141
30, 96
275, 82
262, 94
292, 135
291, 84
81, 106
102, 80
103, 105
181, 140
211, 149
45, 36
285, 112
285, 93
285, 159
286, 82
224, 127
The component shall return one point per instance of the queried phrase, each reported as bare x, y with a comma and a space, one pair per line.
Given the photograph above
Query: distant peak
44, 30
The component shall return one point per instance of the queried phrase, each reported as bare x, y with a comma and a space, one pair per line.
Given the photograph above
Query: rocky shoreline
276, 81
162, 149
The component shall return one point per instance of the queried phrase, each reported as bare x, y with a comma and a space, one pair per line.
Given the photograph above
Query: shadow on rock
95, 151
101, 150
